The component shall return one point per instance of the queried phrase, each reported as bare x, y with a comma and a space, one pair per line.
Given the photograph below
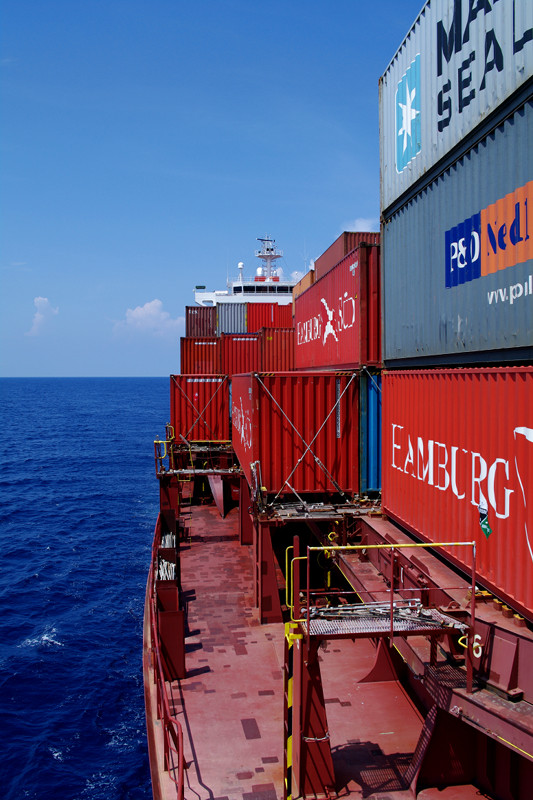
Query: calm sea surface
79, 500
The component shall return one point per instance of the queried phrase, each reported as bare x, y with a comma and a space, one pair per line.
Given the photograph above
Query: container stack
456, 192
221, 341
230, 338
337, 321
347, 242
235, 318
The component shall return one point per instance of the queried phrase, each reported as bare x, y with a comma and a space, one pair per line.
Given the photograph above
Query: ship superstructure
266, 286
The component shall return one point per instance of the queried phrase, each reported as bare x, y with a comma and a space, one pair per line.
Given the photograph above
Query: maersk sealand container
456, 120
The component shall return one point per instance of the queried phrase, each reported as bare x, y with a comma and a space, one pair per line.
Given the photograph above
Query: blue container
370, 433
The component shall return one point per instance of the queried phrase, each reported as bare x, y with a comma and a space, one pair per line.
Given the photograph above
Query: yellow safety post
290, 637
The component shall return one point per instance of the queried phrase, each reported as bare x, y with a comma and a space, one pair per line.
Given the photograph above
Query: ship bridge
266, 286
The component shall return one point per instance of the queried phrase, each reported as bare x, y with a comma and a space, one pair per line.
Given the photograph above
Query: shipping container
457, 259
268, 315
200, 321
240, 353
299, 429
457, 466
200, 407
200, 355
231, 318
277, 349
455, 68
338, 319
303, 284
346, 242
370, 432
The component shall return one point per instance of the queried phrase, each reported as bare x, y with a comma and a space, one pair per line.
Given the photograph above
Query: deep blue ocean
79, 500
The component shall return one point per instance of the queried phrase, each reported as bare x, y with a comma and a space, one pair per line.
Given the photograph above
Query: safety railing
172, 731
292, 587
163, 450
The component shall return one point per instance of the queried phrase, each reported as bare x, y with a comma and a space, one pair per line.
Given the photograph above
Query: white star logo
408, 115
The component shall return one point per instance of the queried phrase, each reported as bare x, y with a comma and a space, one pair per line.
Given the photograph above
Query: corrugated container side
268, 315
200, 355
458, 259
303, 284
370, 432
370, 299
200, 407
200, 320
456, 66
231, 318
240, 353
277, 349
346, 242
275, 417
458, 446
338, 320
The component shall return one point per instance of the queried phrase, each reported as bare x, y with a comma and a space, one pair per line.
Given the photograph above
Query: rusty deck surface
230, 704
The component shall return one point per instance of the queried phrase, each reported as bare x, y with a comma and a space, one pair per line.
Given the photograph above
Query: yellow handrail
165, 442
328, 549
391, 546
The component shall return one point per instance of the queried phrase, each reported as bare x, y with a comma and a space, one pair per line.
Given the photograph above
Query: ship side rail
163, 450
174, 759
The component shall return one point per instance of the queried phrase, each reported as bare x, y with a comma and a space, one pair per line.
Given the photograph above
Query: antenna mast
268, 254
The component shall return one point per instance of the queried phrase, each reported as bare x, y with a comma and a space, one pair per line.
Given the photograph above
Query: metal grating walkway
375, 621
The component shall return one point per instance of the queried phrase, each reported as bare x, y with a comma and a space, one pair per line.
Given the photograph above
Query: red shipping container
277, 349
268, 315
200, 355
200, 320
346, 242
458, 448
240, 353
282, 418
200, 407
338, 319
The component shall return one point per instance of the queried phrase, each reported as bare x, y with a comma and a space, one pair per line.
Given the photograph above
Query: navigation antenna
268, 254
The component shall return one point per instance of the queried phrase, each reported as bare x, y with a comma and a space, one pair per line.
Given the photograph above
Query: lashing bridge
308, 761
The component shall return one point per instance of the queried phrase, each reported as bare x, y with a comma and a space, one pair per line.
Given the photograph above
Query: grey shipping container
458, 258
457, 65
231, 318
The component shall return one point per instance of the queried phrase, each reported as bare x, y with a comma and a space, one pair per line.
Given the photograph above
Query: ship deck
230, 704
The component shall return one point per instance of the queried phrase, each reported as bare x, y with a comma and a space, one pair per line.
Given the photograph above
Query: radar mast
268, 254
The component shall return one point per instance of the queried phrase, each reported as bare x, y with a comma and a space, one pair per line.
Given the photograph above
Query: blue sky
145, 146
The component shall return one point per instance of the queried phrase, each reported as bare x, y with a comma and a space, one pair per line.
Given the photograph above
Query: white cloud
297, 275
44, 312
151, 319
362, 224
